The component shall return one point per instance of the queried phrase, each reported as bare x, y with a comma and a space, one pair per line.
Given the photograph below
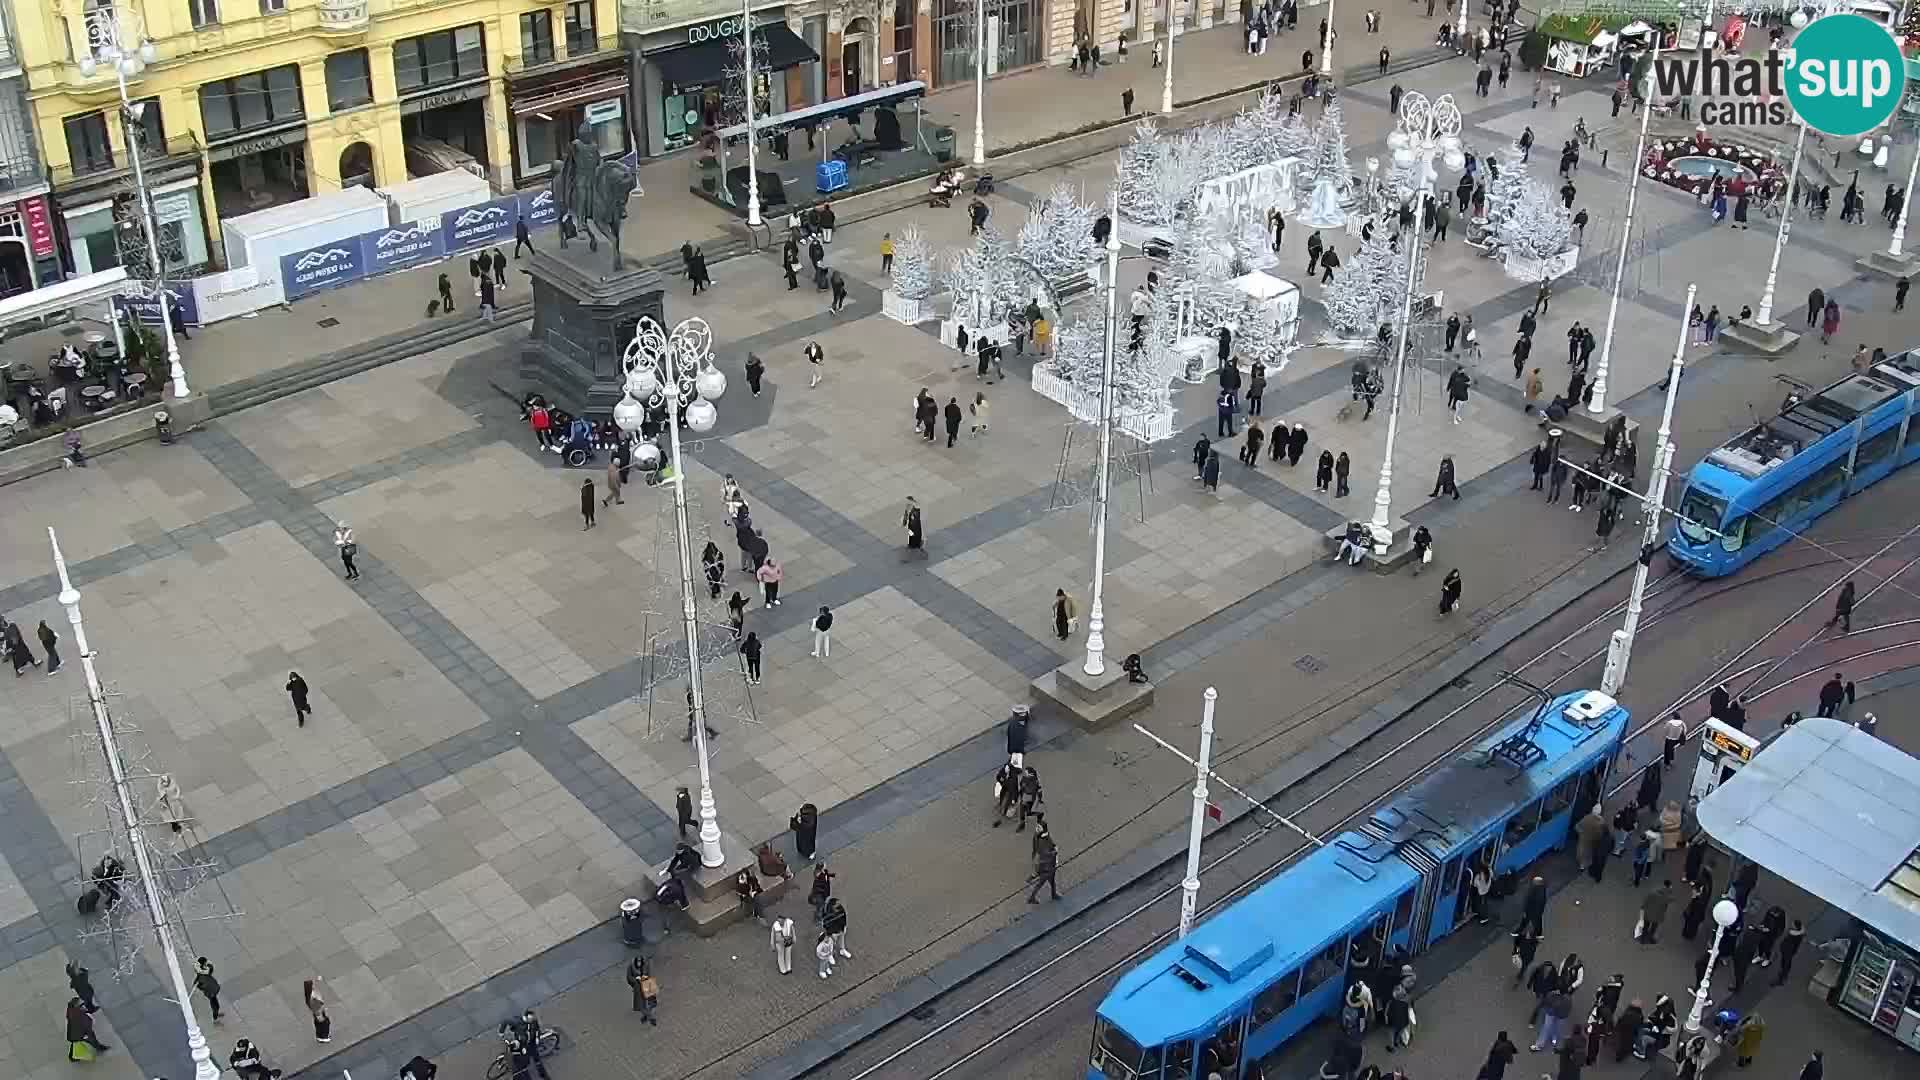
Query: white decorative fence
1148, 425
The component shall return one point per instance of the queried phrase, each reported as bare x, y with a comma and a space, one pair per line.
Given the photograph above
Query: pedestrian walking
1835, 694
1046, 863
1900, 293
770, 574
816, 360
1201, 448
1296, 444
522, 237
1842, 609
1653, 908
81, 982
587, 504
1342, 465
1443, 484
1540, 460
486, 298
446, 296
833, 919
1526, 942
348, 546
50, 644
781, 939
886, 254
1210, 473
1603, 527
1457, 385
1065, 615
952, 415
838, 282
1789, 948
683, 814
646, 992
499, 268
1830, 321
82, 1043
1533, 909
1449, 592
297, 690
1250, 451
1323, 472
910, 521
209, 986
317, 1008
613, 483
981, 413
1522, 348
1675, 734
823, 633
823, 952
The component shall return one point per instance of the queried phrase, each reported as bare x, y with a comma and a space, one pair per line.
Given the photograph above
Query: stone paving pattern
484, 775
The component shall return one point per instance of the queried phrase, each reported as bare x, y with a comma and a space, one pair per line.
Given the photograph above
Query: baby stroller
983, 184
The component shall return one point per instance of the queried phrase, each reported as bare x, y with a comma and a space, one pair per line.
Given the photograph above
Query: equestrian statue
591, 191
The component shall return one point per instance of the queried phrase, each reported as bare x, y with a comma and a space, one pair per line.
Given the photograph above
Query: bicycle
548, 1043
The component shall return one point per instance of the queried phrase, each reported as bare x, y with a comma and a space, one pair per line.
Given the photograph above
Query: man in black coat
1017, 731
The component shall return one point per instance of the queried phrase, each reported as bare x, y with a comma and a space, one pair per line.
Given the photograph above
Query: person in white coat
823, 949
783, 944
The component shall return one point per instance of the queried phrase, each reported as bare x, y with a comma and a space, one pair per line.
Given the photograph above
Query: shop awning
97, 288
707, 63
557, 97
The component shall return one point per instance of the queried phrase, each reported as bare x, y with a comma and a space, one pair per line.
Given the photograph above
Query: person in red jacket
542, 424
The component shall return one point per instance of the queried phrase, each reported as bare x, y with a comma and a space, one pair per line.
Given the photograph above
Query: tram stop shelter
1836, 812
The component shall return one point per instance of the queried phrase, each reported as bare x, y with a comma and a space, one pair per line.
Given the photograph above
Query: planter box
904, 309
1524, 268
949, 333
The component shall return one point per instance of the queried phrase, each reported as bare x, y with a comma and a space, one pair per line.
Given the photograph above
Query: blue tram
1255, 974
1771, 481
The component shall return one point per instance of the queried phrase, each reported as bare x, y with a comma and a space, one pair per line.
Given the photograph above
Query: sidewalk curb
951, 974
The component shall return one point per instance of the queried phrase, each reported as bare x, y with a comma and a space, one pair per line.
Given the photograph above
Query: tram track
1322, 804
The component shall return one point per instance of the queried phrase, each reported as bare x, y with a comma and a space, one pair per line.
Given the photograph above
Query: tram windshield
1697, 509
1118, 1057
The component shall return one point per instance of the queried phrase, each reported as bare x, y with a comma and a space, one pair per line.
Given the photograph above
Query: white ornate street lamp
1598, 404
155, 903
1460, 31
1906, 200
1725, 914
120, 44
672, 368
1096, 664
1427, 127
1764, 317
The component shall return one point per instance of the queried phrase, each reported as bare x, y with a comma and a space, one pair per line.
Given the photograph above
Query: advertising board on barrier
402, 246
232, 293
147, 308
305, 272
477, 226
539, 209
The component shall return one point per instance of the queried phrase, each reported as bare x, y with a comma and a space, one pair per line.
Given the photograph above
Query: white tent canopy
96, 288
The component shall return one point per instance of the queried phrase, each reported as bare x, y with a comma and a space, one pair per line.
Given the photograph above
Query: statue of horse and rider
591, 193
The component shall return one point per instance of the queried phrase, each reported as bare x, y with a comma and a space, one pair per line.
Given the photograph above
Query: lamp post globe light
1427, 127
1725, 914
672, 368
111, 38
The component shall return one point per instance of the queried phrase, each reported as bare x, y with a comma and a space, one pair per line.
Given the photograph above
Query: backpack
1353, 1020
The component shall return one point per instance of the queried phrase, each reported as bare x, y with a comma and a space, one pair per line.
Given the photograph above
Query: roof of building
1835, 811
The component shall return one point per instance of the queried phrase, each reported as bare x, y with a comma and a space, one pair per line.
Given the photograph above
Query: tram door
1483, 859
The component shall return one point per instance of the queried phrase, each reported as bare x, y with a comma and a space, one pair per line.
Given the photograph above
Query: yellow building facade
250, 104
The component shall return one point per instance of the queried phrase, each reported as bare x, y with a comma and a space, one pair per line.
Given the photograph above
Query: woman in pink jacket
770, 573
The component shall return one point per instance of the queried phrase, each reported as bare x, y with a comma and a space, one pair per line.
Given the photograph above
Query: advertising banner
303, 273
39, 227
147, 309
479, 226
539, 208
400, 247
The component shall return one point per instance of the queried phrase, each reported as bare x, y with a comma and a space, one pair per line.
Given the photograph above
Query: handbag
349, 549
80, 1051
1639, 927
648, 988
1426, 555
1517, 963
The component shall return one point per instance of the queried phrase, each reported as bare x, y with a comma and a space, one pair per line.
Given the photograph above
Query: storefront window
183, 236
903, 69
437, 59
680, 118
540, 143
581, 38
1014, 36
252, 101
87, 143
536, 38
349, 80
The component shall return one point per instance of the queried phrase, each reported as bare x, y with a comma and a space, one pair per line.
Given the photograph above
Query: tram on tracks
1258, 972
1766, 484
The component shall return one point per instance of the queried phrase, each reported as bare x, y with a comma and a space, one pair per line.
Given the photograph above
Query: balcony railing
343, 16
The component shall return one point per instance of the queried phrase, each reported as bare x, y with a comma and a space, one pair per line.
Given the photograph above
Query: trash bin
633, 923
163, 425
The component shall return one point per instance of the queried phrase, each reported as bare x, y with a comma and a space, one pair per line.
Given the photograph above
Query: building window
903, 69
349, 80
580, 35
205, 12
87, 144
536, 38
262, 99
152, 133
437, 59
272, 7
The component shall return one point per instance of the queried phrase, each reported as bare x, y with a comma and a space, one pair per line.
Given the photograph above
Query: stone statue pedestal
584, 315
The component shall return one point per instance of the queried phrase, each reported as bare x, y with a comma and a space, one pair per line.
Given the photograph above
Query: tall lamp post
1598, 404
1725, 913
1620, 645
111, 40
1326, 43
753, 137
203, 1066
675, 369
1166, 80
1906, 200
1190, 885
1426, 127
1460, 31
979, 83
1765, 315
1096, 664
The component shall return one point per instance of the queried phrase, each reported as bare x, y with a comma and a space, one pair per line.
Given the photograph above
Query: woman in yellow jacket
886, 254
1042, 335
